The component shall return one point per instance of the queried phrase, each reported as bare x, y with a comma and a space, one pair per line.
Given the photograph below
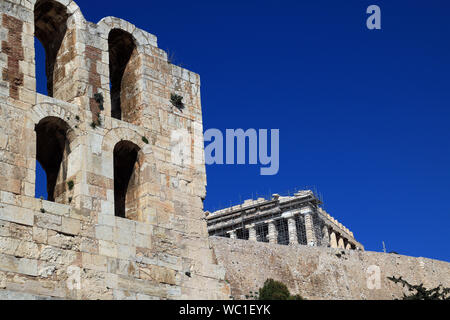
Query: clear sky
363, 115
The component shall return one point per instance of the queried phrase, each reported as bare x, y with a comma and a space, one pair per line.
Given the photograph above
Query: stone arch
57, 24
123, 69
333, 238
142, 38
52, 150
43, 110
131, 156
59, 117
341, 244
113, 136
126, 178
127, 84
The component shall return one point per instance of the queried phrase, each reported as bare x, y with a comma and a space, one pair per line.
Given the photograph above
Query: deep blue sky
363, 115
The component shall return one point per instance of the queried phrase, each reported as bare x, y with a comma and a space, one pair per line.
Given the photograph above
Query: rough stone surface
76, 247
323, 273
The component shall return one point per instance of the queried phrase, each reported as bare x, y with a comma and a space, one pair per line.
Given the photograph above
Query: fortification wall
322, 273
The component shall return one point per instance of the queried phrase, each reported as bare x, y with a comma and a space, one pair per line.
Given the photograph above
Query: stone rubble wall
319, 273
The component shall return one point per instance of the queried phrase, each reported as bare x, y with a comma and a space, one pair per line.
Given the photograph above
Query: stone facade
125, 221
124, 218
319, 273
283, 220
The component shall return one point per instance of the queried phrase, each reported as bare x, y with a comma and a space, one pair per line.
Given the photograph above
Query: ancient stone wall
77, 247
323, 273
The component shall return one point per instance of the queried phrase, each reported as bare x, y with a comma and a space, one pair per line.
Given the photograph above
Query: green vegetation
98, 97
177, 101
275, 290
419, 292
70, 184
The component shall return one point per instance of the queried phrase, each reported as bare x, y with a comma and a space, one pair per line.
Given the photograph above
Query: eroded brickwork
93, 56
132, 103
14, 50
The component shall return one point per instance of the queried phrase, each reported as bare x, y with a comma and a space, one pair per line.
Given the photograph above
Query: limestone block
143, 241
127, 268
56, 208
71, 226
89, 245
106, 219
48, 221
16, 214
126, 252
58, 256
18, 265
8, 245
107, 248
143, 228
4, 229
158, 274
103, 232
39, 235
28, 250
94, 262
124, 236
63, 241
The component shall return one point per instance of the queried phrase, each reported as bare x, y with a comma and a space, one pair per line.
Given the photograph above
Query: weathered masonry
282, 220
122, 219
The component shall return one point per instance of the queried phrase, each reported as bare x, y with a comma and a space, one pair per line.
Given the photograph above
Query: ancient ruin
123, 219
282, 220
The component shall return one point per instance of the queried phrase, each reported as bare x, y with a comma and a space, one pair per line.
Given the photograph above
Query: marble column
292, 229
326, 237
341, 243
233, 234
333, 240
310, 232
252, 233
273, 233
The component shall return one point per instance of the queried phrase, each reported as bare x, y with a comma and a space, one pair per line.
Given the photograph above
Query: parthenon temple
286, 220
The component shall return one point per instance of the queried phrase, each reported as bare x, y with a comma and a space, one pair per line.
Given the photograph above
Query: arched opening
40, 190
41, 76
126, 169
50, 20
121, 49
52, 149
